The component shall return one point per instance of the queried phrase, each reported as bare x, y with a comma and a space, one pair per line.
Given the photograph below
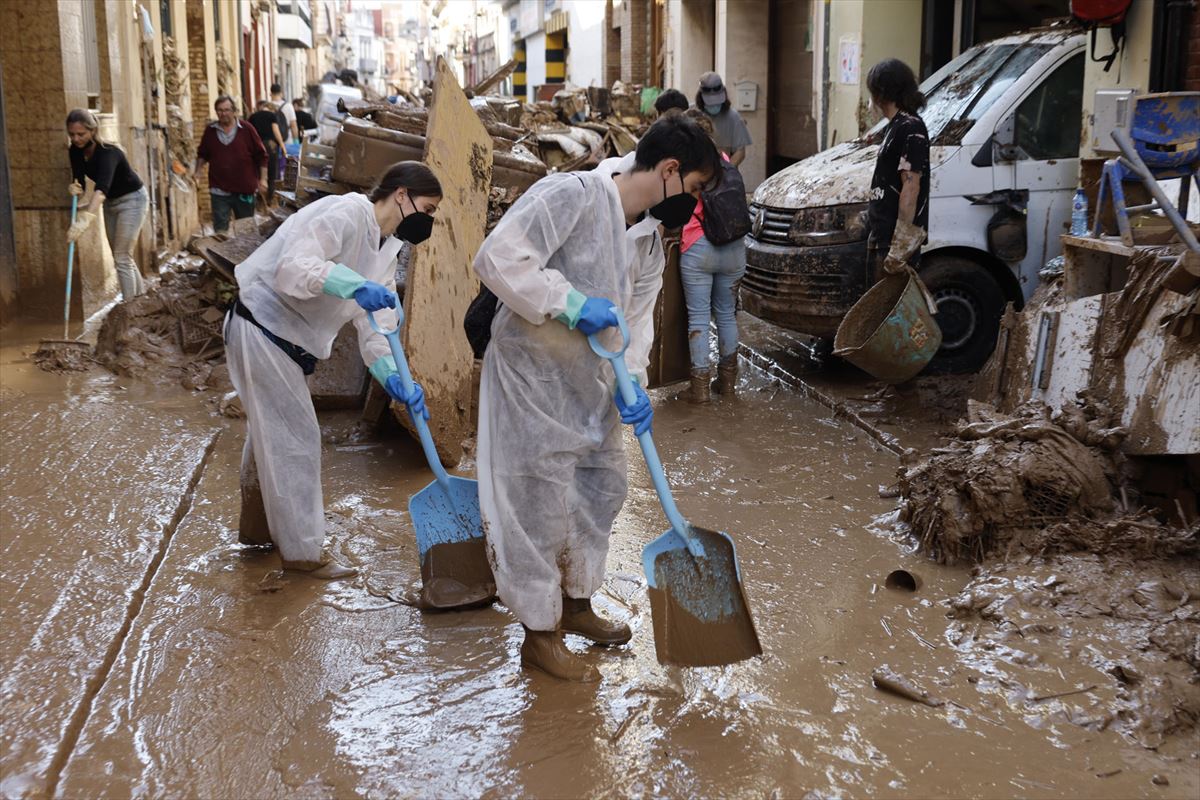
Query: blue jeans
123, 220
710, 275
222, 204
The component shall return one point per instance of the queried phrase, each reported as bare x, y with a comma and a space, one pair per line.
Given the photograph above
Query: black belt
304, 359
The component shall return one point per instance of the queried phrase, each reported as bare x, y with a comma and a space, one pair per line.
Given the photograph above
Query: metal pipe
1135, 164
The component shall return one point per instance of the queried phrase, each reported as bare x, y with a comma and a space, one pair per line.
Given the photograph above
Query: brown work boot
727, 374
698, 393
326, 569
546, 651
578, 617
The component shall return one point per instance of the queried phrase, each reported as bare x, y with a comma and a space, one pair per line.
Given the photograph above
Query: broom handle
70, 269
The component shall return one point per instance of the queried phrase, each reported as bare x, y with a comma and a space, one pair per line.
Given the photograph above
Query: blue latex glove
595, 315
414, 401
374, 296
640, 415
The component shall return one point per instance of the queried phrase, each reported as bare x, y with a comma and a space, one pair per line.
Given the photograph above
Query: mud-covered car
1004, 122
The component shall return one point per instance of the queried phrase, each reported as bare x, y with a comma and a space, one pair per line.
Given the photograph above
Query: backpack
285, 127
1094, 14
726, 215
477, 322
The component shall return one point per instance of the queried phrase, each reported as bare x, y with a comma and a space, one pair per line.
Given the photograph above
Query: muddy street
146, 653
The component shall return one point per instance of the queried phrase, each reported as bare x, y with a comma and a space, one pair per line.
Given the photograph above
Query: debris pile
1084, 607
500, 200
1003, 474
173, 331
575, 129
55, 355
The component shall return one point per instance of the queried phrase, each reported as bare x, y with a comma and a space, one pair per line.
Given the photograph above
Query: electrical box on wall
745, 96
1113, 110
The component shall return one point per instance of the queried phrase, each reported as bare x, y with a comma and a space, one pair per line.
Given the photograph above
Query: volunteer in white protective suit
329, 263
552, 470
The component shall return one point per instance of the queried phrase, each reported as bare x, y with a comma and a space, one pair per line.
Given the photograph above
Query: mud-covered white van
1004, 122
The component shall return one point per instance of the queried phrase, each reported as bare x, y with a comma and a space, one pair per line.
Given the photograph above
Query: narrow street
145, 651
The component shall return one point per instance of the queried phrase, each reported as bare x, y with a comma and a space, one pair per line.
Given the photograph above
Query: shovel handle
649, 451
406, 380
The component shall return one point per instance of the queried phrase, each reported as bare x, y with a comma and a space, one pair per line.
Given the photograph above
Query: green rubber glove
575, 301
342, 282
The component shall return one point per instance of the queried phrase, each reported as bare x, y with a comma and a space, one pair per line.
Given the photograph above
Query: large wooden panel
670, 357
441, 282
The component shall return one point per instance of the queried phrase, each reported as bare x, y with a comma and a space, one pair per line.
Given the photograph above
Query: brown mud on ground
149, 664
915, 414
1104, 641
1081, 610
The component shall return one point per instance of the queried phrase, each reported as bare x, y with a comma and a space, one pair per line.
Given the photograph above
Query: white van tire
970, 304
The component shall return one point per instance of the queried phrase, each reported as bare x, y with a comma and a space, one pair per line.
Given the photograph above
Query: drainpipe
147, 74
825, 77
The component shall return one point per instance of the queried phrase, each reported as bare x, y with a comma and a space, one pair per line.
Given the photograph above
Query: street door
1044, 160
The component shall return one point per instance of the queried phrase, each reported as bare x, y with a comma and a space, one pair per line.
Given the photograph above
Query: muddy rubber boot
327, 570
727, 374
578, 617
698, 393
546, 651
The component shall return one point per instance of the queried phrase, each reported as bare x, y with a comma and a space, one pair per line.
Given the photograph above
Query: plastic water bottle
1079, 213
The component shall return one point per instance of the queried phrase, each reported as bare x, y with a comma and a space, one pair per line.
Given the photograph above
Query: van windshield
962, 91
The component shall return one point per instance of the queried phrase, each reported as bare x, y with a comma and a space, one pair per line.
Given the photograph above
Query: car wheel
970, 304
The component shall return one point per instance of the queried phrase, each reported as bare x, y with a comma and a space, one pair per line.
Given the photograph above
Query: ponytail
414, 176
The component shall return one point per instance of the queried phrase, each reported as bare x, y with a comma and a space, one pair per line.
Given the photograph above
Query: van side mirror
1004, 142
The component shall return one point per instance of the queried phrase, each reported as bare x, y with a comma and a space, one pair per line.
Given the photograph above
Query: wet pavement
145, 653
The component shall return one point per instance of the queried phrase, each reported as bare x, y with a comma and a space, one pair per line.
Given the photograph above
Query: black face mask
674, 211
416, 227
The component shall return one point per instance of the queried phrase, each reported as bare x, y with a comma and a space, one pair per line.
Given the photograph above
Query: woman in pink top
710, 274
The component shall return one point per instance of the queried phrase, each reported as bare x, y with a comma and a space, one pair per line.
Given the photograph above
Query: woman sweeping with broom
119, 191
330, 263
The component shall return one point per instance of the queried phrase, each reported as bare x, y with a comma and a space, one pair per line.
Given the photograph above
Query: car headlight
829, 225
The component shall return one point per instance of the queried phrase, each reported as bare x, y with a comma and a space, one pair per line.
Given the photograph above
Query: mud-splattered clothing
905, 148
552, 471
281, 284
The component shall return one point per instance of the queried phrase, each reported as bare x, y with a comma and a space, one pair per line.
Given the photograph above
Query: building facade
150, 71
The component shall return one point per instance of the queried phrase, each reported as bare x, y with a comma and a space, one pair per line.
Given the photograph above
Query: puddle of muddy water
234, 680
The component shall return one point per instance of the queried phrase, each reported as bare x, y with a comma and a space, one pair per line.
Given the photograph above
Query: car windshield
962, 91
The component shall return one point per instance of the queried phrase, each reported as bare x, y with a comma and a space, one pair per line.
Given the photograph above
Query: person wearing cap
731, 134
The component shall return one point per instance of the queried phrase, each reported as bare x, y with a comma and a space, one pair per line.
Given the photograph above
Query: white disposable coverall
552, 472
281, 283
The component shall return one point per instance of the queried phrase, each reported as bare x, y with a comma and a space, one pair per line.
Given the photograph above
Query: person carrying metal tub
330, 263
119, 191
899, 207
552, 472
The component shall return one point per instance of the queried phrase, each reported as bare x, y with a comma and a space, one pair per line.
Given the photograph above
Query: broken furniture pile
574, 130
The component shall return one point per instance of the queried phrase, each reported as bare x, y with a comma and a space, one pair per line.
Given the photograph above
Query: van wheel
970, 303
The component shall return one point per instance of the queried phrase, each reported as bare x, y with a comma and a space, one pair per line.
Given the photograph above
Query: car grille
790, 286
775, 226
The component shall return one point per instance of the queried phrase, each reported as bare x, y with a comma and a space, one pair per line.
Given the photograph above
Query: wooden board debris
441, 282
670, 357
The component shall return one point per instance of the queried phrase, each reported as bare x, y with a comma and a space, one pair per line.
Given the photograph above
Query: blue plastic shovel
455, 572
701, 617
